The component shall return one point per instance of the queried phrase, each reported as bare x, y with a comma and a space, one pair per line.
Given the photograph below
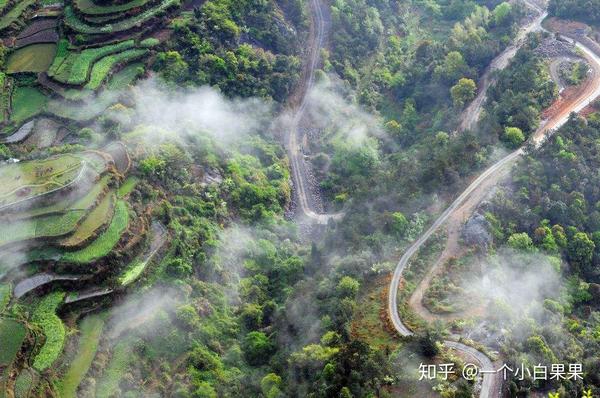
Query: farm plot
90, 332
23, 181
5, 293
12, 335
74, 68
25, 383
38, 25
96, 219
105, 242
44, 36
45, 317
6, 84
33, 58
13, 15
76, 24
27, 102
90, 109
102, 68
91, 8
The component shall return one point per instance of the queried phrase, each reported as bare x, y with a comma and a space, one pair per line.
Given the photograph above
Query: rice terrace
299, 198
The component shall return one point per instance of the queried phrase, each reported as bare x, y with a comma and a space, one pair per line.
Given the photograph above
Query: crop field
102, 68
33, 58
53, 328
26, 103
86, 111
5, 293
74, 68
96, 219
12, 334
44, 36
14, 13
25, 383
76, 24
105, 242
90, 332
121, 358
91, 8
128, 185
38, 25
22, 181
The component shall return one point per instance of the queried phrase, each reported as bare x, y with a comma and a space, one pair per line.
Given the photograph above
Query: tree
429, 343
172, 66
501, 13
463, 92
514, 136
348, 287
399, 223
580, 251
520, 241
453, 68
257, 348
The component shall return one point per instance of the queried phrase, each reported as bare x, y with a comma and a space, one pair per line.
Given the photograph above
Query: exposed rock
476, 231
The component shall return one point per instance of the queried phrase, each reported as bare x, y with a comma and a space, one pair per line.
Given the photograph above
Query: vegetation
33, 58
575, 9
105, 242
27, 102
102, 68
12, 335
90, 331
45, 317
101, 215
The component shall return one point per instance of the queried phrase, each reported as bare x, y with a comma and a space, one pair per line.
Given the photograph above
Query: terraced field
14, 13
33, 58
91, 8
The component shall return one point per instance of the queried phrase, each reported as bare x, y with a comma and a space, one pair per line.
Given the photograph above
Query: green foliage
12, 335
27, 102
5, 295
119, 362
348, 287
45, 317
514, 136
102, 68
104, 243
257, 348
32, 58
11, 16
399, 223
463, 92
581, 250
501, 13
575, 9
520, 241
90, 331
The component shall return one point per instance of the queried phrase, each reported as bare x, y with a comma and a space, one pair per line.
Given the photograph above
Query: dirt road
294, 146
470, 115
467, 201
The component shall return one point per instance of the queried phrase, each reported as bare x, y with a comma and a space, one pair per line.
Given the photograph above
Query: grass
62, 50
74, 67
85, 112
127, 187
106, 241
5, 293
53, 328
95, 220
119, 362
102, 68
12, 335
133, 271
33, 58
76, 24
14, 13
90, 332
26, 103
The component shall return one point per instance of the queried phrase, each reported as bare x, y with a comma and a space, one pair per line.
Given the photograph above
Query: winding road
298, 165
470, 115
472, 195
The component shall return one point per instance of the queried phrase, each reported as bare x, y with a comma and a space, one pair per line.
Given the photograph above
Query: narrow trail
467, 201
294, 146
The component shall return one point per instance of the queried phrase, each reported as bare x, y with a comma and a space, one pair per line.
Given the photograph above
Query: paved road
298, 166
491, 387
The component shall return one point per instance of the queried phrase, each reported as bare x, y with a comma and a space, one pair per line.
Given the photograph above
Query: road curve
298, 166
470, 115
490, 386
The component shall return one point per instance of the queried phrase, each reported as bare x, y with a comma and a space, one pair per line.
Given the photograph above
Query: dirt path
469, 199
294, 145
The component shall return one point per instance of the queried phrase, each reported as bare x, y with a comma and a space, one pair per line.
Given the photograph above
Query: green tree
257, 348
453, 68
514, 136
501, 13
463, 92
580, 251
348, 287
172, 66
520, 241
399, 223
